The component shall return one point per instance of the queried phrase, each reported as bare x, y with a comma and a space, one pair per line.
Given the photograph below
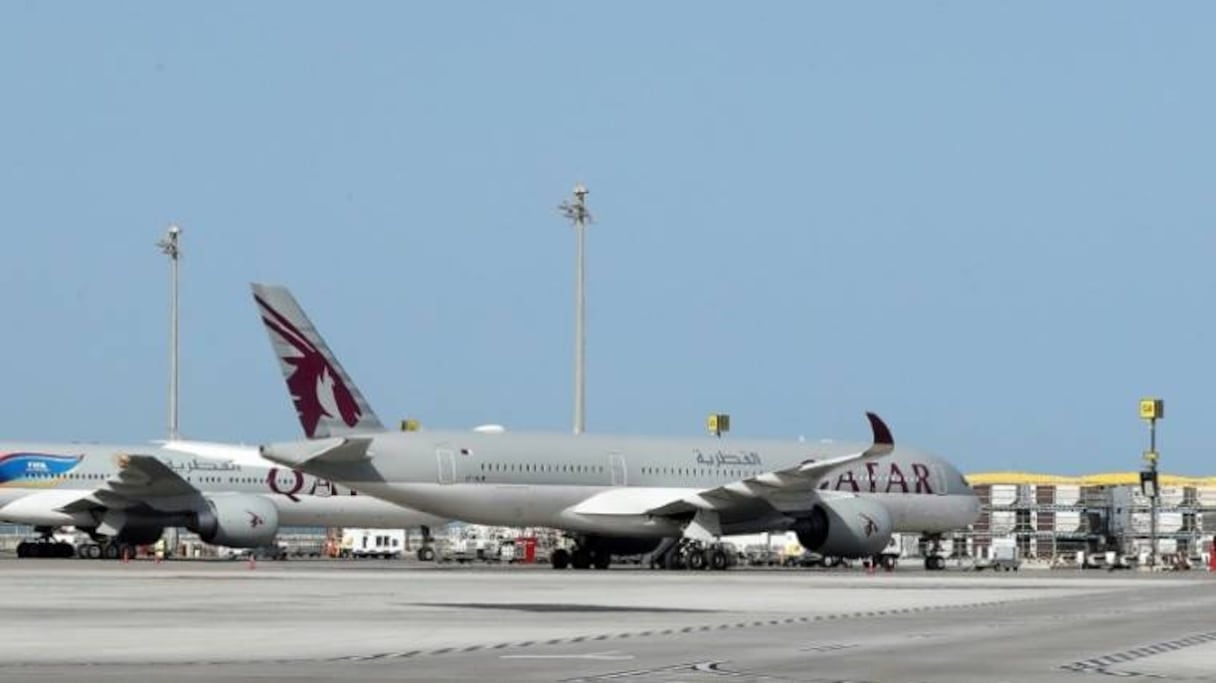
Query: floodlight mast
576, 212
171, 247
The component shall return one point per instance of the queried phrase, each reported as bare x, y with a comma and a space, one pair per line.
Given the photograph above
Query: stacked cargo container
1051, 517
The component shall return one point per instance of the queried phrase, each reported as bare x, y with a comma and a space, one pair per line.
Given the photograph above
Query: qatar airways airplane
124, 496
614, 494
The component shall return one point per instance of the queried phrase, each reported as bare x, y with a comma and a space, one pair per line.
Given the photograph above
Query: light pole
1151, 410
576, 212
170, 246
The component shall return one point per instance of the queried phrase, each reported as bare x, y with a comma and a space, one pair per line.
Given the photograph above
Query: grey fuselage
558, 480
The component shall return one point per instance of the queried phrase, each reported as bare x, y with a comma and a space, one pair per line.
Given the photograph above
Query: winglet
882, 433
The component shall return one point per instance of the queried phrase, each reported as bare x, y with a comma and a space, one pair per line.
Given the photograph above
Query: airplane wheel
92, 551
426, 554
697, 560
939, 562
560, 558
601, 559
672, 559
23, 550
64, 551
110, 551
580, 559
717, 559
889, 562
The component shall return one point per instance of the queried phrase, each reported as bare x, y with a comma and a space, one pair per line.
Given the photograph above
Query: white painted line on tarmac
611, 655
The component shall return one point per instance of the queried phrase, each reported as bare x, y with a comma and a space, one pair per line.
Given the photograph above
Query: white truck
385, 544
1001, 556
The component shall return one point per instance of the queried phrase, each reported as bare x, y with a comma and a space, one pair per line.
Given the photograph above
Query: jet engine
617, 545
140, 534
237, 521
845, 527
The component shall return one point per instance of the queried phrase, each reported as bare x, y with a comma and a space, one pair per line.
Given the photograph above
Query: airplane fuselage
563, 481
38, 479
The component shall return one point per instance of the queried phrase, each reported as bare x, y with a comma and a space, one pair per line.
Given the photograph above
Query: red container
529, 549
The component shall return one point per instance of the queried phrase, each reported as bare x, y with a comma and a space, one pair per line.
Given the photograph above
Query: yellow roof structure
1102, 479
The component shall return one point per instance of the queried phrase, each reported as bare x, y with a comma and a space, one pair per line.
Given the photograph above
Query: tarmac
402, 620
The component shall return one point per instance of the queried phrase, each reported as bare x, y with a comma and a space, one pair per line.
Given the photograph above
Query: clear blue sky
991, 223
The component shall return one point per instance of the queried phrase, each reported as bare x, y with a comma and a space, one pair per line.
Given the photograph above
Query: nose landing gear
934, 560
587, 553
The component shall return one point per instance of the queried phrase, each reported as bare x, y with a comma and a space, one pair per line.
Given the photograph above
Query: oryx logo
871, 527
255, 520
316, 387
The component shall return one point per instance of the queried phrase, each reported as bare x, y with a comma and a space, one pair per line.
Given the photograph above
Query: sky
991, 223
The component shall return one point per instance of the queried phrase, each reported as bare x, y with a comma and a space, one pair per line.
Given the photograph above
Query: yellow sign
410, 425
1151, 456
1152, 409
718, 423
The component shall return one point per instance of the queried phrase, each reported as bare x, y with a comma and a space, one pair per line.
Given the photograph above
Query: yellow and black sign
1152, 409
718, 424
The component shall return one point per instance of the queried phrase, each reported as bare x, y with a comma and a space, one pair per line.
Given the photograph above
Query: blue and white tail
326, 400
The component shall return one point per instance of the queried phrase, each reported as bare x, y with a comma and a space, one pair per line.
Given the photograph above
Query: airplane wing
771, 487
141, 480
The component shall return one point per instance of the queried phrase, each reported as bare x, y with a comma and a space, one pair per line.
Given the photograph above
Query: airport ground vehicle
386, 544
761, 556
1004, 557
810, 558
266, 552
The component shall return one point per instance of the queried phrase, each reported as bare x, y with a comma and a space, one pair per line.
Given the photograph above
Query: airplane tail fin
326, 400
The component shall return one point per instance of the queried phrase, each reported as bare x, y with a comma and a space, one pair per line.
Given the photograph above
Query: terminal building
1054, 518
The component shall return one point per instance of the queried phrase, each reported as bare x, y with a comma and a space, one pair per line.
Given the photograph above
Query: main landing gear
690, 554
45, 547
107, 549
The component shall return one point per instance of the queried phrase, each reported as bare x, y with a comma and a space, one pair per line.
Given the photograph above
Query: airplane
615, 495
126, 495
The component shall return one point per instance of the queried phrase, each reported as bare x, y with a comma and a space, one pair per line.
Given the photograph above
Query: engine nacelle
617, 545
237, 521
845, 527
140, 534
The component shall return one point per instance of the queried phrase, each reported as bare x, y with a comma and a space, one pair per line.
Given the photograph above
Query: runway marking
552, 641
1102, 664
712, 668
829, 647
611, 655
636, 673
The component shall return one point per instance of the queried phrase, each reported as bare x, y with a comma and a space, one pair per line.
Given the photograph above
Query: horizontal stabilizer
333, 450
234, 453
